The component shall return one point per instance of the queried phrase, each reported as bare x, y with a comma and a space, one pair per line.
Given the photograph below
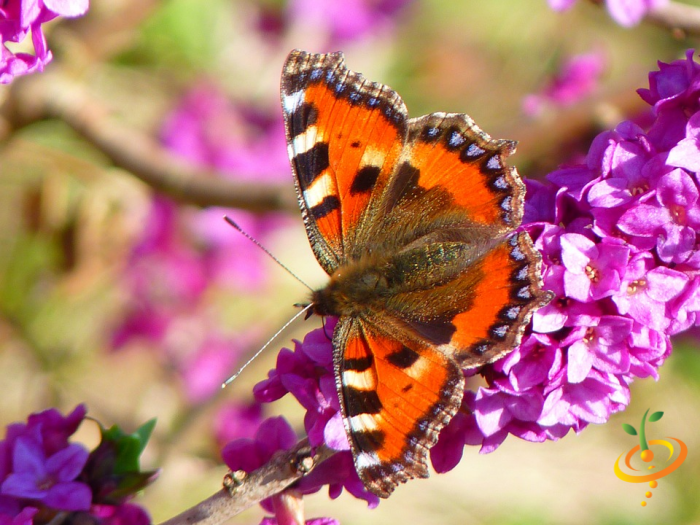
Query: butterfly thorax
371, 283
353, 289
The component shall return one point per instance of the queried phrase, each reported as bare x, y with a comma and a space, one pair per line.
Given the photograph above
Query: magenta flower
210, 130
592, 400
672, 220
602, 345
447, 453
673, 86
207, 368
40, 470
625, 12
577, 79
24, 517
592, 270
247, 454
17, 18
338, 472
237, 420
47, 479
307, 373
647, 290
126, 514
496, 407
38, 464
165, 277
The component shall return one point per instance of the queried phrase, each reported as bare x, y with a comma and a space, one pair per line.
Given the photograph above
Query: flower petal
69, 496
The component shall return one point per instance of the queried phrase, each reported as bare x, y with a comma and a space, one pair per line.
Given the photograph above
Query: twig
54, 95
280, 472
677, 17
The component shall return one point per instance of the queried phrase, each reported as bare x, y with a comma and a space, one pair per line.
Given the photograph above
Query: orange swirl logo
646, 454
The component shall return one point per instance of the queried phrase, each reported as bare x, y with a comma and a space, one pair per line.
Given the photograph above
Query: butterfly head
353, 289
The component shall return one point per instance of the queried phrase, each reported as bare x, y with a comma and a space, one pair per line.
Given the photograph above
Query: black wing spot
304, 117
438, 331
326, 206
368, 440
404, 358
312, 163
358, 364
361, 401
406, 182
365, 179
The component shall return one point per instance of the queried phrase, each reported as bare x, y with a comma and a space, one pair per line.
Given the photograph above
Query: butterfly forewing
345, 135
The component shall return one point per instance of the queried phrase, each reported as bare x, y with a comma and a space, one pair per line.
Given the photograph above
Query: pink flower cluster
42, 475
20, 17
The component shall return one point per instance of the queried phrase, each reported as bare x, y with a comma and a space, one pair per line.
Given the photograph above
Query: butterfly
414, 221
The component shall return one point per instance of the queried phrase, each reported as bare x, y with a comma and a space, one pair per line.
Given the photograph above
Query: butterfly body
380, 281
414, 221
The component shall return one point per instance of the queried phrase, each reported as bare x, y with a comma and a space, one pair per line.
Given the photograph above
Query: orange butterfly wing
345, 135
395, 398
454, 167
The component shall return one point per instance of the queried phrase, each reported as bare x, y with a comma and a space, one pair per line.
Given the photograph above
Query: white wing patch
292, 101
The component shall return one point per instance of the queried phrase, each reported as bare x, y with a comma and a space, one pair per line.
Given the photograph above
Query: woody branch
270, 479
677, 17
55, 95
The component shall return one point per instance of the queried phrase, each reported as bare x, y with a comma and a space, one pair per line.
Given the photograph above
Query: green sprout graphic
646, 455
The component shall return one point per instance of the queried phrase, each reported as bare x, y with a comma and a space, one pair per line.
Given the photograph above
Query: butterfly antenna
234, 376
255, 241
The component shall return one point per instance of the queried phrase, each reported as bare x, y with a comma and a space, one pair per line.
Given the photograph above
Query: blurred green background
68, 219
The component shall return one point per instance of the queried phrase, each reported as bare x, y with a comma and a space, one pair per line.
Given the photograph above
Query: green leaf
128, 451
144, 433
629, 429
655, 416
128, 446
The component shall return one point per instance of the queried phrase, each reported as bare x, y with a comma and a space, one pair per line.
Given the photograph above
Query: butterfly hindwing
451, 209
395, 398
345, 135
451, 153
482, 311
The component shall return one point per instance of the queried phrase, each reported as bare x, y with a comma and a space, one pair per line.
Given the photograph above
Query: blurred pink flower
184, 254
165, 276
209, 365
347, 21
236, 420
627, 13
577, 79
243, 143
210, 130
